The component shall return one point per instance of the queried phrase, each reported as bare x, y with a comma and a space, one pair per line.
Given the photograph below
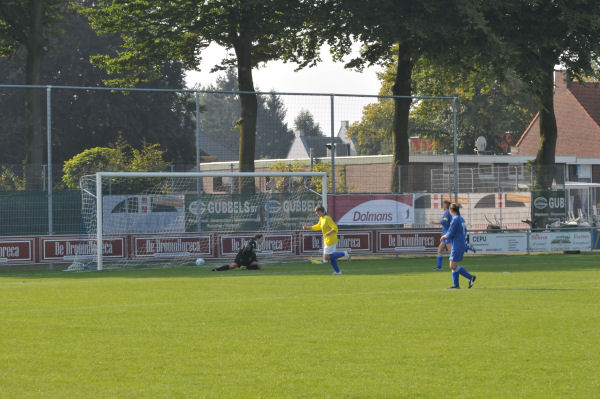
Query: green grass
386, 328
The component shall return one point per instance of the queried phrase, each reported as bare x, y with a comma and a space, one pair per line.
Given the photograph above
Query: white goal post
150, 206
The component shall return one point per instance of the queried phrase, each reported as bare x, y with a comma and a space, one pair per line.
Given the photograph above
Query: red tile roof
577, 111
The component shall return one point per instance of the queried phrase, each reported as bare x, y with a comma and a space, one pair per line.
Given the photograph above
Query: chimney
560, 79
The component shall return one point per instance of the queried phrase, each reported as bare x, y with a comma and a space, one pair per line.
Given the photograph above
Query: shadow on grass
531, 289
358, 266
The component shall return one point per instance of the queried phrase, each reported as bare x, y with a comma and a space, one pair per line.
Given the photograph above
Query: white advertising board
562, 241
373, 209
487, 243
127, 214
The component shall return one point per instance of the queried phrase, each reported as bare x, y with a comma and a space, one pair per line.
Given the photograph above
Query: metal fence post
197, 131
49, 151
455, 150
332, 145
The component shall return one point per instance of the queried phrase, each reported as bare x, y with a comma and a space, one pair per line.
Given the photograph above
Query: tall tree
537, 36
306, 126
407, 30
221, 111
487, 106
26, 24
92, 118
273, 137
154, 31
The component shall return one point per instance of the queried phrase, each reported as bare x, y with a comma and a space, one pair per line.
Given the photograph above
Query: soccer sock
223, 268
463, 272
336, 255
439, 261
334, 264
455, 278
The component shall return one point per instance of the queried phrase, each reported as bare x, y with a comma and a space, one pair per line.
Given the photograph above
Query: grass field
386, 328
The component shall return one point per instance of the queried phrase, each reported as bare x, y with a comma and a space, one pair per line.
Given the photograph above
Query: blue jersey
445, 221
457, 234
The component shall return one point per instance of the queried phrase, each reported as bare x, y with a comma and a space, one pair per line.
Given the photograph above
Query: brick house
577, 111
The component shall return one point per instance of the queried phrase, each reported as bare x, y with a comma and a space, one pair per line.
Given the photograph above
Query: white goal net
153, 219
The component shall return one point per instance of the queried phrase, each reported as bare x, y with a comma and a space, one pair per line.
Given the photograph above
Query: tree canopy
220, 113
119, 156
407, 30
154, 31
538, 35
27, 25
83, 119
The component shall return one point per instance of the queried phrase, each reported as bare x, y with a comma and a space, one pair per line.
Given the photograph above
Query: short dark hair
320, 208
257, 236
446, 202
455, 208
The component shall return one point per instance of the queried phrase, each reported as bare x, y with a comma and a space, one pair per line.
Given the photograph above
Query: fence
345, 135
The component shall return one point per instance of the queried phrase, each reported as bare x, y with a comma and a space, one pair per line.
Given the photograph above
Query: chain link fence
347, 136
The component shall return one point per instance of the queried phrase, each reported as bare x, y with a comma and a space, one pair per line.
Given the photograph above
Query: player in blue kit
457, 233
444, 243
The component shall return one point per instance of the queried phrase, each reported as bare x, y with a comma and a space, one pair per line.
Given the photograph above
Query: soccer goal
132, 219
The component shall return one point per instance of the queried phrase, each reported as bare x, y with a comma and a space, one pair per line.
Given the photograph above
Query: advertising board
172, 246
358, 241
16, 250
560, 241
368, 209
487, 243
394, 241
280, 243
64, 249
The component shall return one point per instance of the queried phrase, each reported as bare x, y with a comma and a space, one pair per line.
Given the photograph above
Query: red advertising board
184, 245
281, 243
68, 248
406, 241
16, 250
358, 241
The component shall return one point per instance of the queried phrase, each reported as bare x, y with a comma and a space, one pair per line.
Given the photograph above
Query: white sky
327, 77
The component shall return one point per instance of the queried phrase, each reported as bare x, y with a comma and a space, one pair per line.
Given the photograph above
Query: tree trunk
34, 134
401, 87
249, 105
545, 159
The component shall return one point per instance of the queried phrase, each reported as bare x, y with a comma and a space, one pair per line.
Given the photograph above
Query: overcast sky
326, 77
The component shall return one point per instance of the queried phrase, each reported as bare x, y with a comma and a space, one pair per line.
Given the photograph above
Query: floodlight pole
455, 153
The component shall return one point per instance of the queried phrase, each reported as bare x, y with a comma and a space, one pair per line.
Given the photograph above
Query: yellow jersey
326, 224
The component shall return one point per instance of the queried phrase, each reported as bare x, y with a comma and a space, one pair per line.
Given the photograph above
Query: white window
584, 173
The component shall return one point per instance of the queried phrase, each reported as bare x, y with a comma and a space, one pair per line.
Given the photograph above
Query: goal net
152, 219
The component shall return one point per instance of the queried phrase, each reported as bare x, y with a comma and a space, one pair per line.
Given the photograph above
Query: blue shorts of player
456, 254
446, 240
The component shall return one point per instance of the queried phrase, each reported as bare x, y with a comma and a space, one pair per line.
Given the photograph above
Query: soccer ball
200, 261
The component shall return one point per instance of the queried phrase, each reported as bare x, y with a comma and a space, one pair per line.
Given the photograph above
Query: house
577, 111
320, 146
211, 150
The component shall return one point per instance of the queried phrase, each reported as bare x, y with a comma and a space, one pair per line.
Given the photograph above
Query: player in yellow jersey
330, 239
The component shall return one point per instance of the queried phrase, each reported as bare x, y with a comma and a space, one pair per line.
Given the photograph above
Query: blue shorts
445, 240
456, 255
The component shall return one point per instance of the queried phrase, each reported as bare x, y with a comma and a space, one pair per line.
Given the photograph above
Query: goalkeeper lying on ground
245, 257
